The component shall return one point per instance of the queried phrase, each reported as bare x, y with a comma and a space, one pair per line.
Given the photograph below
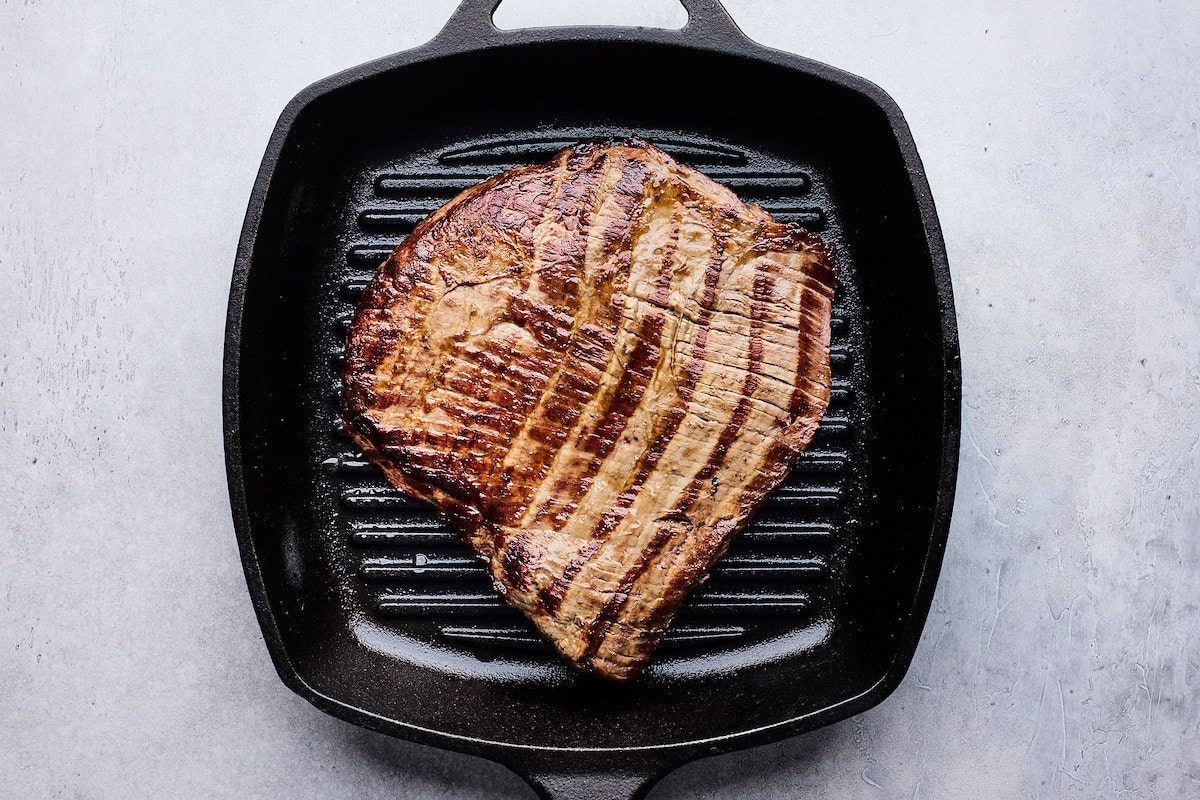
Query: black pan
375, 612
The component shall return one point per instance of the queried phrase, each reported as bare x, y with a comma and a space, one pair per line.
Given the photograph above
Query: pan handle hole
516, 14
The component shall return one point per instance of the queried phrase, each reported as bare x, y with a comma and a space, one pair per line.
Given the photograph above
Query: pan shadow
409, 770
421, 771
744, 772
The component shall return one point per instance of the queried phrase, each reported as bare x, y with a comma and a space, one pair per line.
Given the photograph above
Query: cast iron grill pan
377, 612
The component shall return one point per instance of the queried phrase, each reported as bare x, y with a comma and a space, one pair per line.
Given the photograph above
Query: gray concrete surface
1062, 655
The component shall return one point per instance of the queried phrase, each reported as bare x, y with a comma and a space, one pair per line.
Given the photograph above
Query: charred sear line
596, 368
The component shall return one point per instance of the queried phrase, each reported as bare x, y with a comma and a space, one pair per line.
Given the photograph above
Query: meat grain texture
596, 368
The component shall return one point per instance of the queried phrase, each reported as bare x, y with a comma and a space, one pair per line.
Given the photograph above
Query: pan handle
591, 787
472, 22
591, 775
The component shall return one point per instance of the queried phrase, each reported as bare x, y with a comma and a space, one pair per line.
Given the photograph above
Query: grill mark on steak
460, 381
598, 630
600, 298
661, 616
553, 324
601, 439
741, 411
565, 262
553, 594
523, 373
668, 427
597, 432
641, 369
613, 606
615, 407
515, 189
804, 364
601, 423
777, 459
445, 228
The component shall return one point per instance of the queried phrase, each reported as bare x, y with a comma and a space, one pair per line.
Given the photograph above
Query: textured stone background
1061, 656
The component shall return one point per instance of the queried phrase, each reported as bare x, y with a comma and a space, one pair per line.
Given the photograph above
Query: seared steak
596, 368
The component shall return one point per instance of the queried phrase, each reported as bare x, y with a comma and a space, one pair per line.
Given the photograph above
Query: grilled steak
596, 368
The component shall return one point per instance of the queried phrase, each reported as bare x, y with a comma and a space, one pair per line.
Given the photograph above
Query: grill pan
375, 611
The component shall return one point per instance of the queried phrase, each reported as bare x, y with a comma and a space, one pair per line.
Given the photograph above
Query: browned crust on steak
597, 368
